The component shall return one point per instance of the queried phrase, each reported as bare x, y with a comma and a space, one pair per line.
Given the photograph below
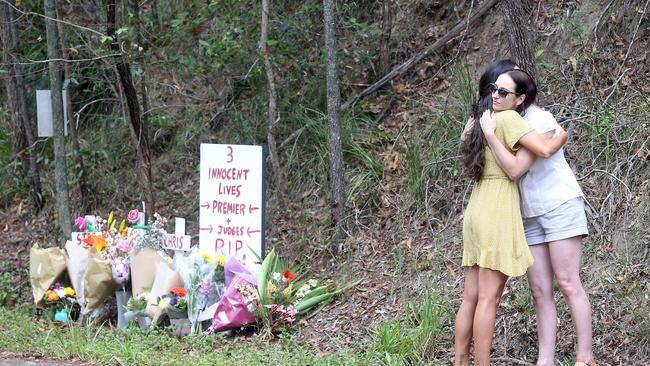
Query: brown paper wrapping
143, 269
98, 281
45, 267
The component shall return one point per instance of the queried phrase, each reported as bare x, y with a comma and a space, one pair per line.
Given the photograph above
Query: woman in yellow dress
494, 244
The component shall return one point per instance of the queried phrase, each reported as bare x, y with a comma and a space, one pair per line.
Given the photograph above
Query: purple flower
205, 286
173, 300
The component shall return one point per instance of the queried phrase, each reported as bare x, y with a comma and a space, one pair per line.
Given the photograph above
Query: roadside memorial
155, 275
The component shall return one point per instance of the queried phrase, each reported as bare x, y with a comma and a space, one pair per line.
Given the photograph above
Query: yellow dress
493, 232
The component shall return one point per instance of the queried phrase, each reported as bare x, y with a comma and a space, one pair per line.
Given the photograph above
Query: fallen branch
453, 33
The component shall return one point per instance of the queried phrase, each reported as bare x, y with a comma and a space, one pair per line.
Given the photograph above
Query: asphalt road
19, 362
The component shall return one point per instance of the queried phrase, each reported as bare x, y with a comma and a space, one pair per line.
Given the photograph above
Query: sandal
590, 363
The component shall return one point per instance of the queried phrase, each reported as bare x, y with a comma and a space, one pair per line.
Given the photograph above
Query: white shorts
565, 221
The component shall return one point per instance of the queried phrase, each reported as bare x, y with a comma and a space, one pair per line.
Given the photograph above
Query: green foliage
411, 339
416, 175
103, 345
309, 154
8, 293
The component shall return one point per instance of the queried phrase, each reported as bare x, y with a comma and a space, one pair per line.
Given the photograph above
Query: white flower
276, 276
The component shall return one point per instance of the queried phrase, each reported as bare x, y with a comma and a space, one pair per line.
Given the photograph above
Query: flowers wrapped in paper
165, 279
203, 277
146, 253
45, 267
98, 281
76, 260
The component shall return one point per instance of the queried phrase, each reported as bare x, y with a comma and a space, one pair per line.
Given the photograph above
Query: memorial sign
232, 200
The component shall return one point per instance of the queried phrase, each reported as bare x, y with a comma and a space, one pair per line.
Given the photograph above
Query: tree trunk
274, 117
334, 122
56, 86
384, 46
520, 38
23, 137
143, 86
154, 13
138, 130
84, 188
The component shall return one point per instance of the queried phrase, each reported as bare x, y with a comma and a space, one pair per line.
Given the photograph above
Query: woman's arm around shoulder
547, 144
513, 165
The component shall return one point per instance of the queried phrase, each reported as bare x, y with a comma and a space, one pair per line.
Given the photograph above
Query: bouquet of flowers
61, 299
58, 296
203, 277
153, 236
114, 243
281, 296
174, 303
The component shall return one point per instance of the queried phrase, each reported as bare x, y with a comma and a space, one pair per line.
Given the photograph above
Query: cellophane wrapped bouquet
281, 296
135, 306
202, 274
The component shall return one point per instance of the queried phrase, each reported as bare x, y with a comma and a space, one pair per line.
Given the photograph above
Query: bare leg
565, 257
540, 278
465, 318
489, 294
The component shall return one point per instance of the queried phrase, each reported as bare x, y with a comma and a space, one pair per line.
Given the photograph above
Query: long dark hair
524, 84
473, 147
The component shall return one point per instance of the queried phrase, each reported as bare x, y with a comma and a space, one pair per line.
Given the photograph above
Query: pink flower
121, 271
124, 245
133, 216
81, 223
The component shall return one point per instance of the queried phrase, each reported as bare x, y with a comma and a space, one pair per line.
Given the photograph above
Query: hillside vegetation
204, 77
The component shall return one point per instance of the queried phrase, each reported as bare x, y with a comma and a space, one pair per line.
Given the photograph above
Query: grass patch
412, 339
21, 334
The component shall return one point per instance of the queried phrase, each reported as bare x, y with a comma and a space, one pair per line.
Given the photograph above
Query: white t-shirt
549, 182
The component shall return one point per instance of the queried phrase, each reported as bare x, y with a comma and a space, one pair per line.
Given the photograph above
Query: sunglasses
503, 92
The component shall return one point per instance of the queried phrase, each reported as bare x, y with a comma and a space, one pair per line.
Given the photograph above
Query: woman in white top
554, 223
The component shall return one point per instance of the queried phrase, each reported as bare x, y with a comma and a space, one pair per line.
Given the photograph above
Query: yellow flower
111, 221
122, 229
97, 241
69, 291
221, 260
207, 257
287, 292
270, 288
100, 244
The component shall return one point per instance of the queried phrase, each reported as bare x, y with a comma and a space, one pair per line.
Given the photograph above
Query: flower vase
122, 297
